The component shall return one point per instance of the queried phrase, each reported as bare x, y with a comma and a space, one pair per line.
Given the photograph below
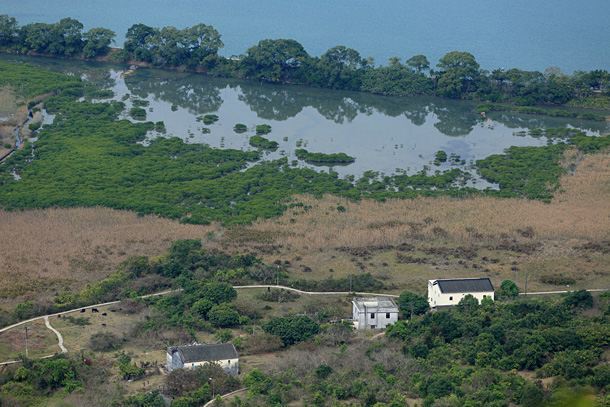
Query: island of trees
456, 75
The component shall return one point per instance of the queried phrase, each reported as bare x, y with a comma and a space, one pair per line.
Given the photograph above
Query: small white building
447, 293
374, 313
190, 356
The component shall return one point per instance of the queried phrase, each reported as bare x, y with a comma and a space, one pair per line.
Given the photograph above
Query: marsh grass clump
210, 119
263, 129
137, 113
240, 128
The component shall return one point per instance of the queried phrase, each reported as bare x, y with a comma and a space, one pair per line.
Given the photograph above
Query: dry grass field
403, 242
41, 342
43, 251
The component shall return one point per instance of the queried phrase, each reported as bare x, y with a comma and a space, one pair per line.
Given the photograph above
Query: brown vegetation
58, 248
403, 242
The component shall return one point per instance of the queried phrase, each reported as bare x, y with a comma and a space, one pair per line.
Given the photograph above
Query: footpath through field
237, 287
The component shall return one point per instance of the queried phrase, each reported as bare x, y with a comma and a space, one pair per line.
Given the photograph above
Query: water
525, 34
385, 134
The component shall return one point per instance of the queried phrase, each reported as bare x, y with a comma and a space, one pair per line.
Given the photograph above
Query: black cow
104, 314
94, 310
83, 310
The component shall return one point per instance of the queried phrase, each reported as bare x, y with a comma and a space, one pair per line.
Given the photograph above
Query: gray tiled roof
465, 285
380, 304
200, 353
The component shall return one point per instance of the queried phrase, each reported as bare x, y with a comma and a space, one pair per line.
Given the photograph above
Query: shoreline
106, 59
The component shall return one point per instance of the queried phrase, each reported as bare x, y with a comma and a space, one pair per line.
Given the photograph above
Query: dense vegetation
496, 107
324, 159
261, 142
27, 81
88, 157
471, 355
285, 60
488, 354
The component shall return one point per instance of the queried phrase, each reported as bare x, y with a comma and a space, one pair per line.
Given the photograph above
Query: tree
69, 37
580, 298
8, 30
97, 42
202, 307
223, 315
292, 330
459, 71
409, 302
508, 289
218, 292
138, 36
203, 40
274, 60
419, 63
339, 68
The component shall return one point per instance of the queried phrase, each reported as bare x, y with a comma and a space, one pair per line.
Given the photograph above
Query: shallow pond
385, 134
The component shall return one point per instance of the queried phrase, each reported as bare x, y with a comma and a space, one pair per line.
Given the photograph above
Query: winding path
59, 337
237, 287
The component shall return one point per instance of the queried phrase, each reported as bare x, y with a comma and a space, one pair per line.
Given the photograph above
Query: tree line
457, 75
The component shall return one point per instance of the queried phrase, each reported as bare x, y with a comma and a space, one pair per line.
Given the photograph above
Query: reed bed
48, 250
579, 212
64, 246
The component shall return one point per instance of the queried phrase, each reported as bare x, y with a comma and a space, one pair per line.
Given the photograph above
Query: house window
450, 298
484, 296
372, 315
387, 315
192, 364
229, 362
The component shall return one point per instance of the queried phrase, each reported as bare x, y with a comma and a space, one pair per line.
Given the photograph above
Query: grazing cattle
112, 310
83, 310
103, 324
58, 316
104, 314
94, 310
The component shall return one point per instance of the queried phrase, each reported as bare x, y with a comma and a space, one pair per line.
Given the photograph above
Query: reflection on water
385, 134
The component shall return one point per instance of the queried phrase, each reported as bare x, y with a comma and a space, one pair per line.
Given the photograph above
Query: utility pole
411, 311
350, 283
526, 282
26, 342
278, 276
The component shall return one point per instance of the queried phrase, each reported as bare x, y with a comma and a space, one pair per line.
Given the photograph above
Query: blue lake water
385, 134
525, 34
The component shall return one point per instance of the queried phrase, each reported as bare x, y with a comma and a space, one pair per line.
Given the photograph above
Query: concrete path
59, 337
237, 287
209, 403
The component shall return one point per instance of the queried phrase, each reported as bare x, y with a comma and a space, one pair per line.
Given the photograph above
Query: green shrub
261, 142
210, 118
240, 128
556, 279
104, 342
137, 113
263, 129
223, 315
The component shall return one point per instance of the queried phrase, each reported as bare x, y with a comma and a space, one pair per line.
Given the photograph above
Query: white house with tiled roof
374, 313
191, 356
449, 292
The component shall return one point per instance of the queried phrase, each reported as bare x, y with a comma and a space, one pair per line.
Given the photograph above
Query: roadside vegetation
520, 351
